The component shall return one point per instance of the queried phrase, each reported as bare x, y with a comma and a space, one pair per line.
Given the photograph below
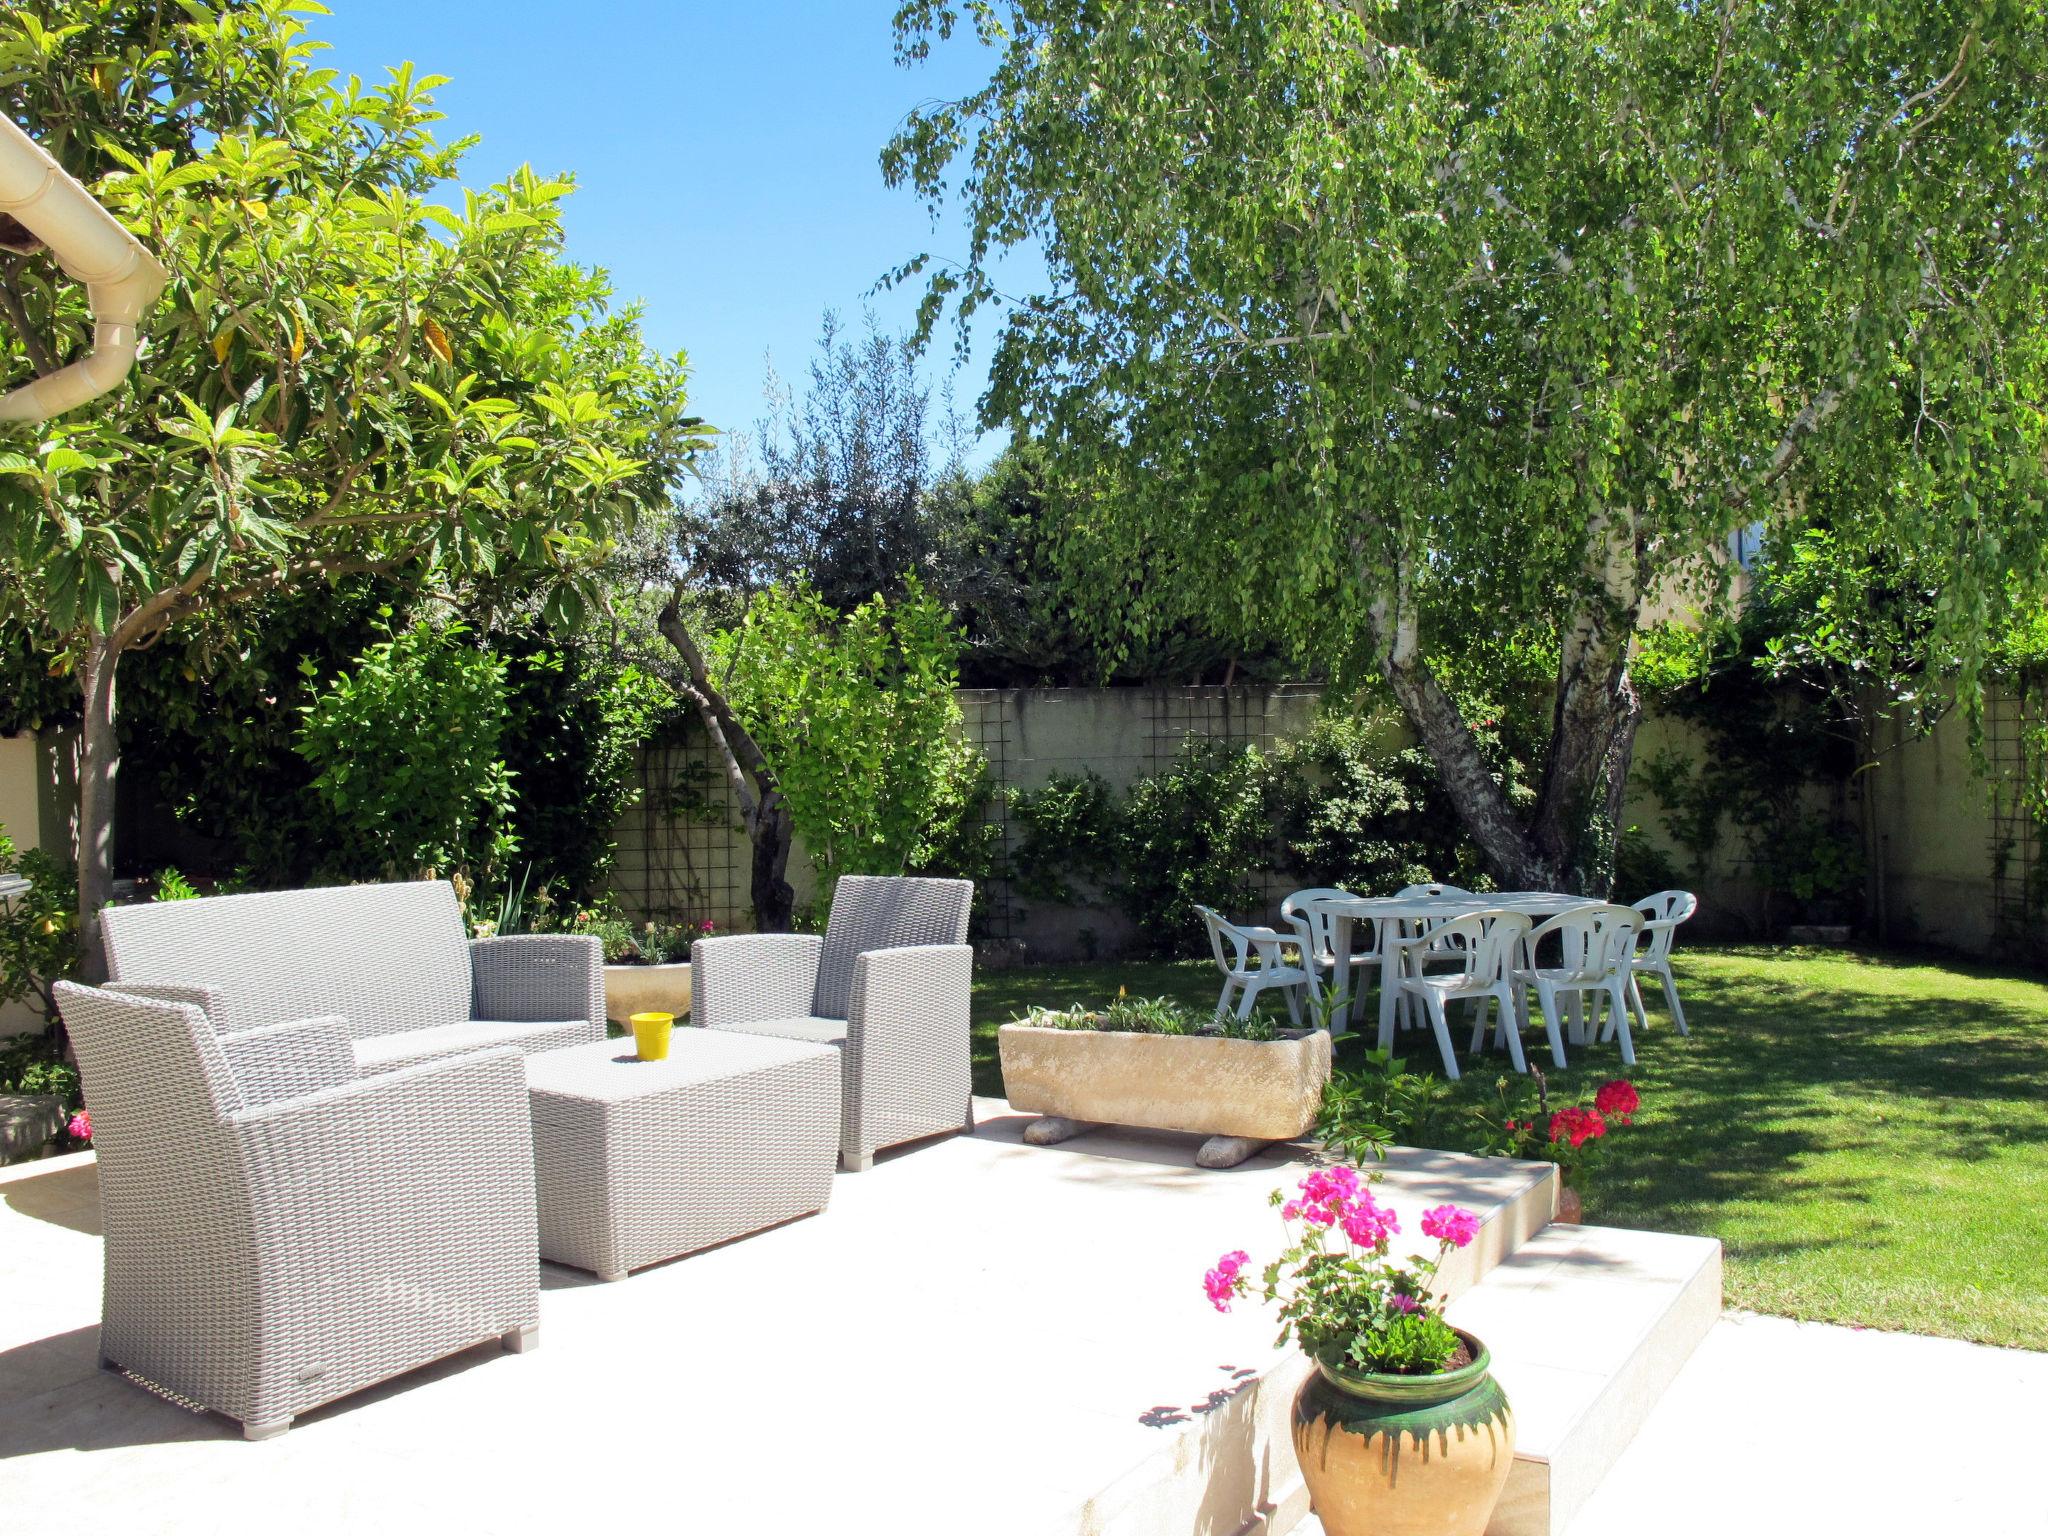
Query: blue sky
725, 153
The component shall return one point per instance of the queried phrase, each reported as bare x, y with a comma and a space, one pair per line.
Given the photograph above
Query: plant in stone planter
1242, 1083
1402, 1426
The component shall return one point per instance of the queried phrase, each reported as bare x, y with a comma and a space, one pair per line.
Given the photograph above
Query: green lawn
1867, 1134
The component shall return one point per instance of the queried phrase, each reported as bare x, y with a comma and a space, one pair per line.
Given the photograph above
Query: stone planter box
1252, 1091
631, 989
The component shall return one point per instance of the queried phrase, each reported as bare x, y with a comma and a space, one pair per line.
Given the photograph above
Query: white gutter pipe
122, 279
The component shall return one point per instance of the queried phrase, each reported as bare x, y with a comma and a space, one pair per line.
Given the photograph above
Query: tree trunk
1568, 842
774, 900
763, 811
1474, 792
99, 761
1593, 719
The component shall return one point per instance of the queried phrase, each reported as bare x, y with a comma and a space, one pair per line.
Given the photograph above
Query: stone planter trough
1241, 1094
631, 989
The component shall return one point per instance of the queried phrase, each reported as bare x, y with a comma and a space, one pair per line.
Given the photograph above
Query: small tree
858, 716
342, 377
834, 492
1386, 325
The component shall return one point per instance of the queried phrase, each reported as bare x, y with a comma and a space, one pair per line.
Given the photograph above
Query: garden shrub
1200, 833
1365, 815
210, 718
407, 752
1069, 838
1339, 806
38, 927
38, 947
572, 739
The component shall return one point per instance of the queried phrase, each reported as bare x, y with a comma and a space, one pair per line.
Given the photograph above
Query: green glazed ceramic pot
1405, 1455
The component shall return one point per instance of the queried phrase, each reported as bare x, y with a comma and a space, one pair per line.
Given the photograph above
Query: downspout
122, 279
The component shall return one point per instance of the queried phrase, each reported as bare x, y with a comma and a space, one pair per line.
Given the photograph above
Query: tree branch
736, 746
39, 353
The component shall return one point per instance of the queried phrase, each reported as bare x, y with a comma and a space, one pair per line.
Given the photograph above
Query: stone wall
1929, 818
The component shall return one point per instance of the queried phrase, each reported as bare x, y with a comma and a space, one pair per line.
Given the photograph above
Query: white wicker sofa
888, 983
392, 961
282, 1229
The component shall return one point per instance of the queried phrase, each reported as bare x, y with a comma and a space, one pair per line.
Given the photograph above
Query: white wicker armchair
888, 983
281, 1231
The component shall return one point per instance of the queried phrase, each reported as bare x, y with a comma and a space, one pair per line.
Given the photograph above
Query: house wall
21, 814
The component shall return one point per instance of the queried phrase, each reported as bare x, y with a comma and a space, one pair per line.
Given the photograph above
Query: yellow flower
1123, 991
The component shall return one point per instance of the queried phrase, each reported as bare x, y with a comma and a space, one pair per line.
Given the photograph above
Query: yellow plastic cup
651, 1033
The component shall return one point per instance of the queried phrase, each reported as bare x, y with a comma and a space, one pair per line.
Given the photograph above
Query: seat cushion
812, 1028
380, 1053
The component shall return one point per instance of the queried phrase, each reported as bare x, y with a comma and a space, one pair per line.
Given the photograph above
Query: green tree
1386, 325
857, 714
343, 377
834, 491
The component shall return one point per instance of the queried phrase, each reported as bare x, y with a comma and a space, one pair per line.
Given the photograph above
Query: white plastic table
1390, 911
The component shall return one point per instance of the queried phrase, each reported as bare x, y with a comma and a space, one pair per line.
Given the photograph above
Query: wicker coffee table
638, 1161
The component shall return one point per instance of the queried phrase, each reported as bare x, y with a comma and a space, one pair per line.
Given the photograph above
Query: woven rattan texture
390, 960
906, 1002
883, 912
384, 957
266, 1257
643, 1161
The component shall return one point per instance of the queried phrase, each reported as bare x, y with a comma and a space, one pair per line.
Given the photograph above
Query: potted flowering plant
645, 971
1573, 1136
1402, 1426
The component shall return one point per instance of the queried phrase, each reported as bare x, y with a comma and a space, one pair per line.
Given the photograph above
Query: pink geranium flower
1223, 1283
1451, 1224
80, 1127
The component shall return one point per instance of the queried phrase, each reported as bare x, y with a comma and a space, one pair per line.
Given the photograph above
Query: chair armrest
908, 1041
436, 1082
289, 1061
748, 978
401, 1205
537, 978
208, 1000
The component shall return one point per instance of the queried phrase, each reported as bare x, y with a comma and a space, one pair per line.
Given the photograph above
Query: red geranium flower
1619, 1099
1577, 1125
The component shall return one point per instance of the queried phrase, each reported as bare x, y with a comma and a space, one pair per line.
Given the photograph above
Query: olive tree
345, 375
1386, 325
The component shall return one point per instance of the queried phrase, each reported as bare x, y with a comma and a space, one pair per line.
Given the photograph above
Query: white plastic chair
1315, 928
1661, 914
1404, 1008
1593, 944
1254, 965
1483, 945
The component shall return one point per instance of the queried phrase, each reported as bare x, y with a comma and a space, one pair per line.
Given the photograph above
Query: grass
1867, 1134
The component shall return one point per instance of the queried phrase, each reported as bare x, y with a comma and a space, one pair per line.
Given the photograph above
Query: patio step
1588, 1326
1228, 1464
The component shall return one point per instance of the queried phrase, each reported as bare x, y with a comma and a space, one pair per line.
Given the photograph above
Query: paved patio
976, 1335
1778, 1426
980, 1336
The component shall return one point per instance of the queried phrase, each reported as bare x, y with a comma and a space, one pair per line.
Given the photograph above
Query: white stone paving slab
1783, 1428
977, 1336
